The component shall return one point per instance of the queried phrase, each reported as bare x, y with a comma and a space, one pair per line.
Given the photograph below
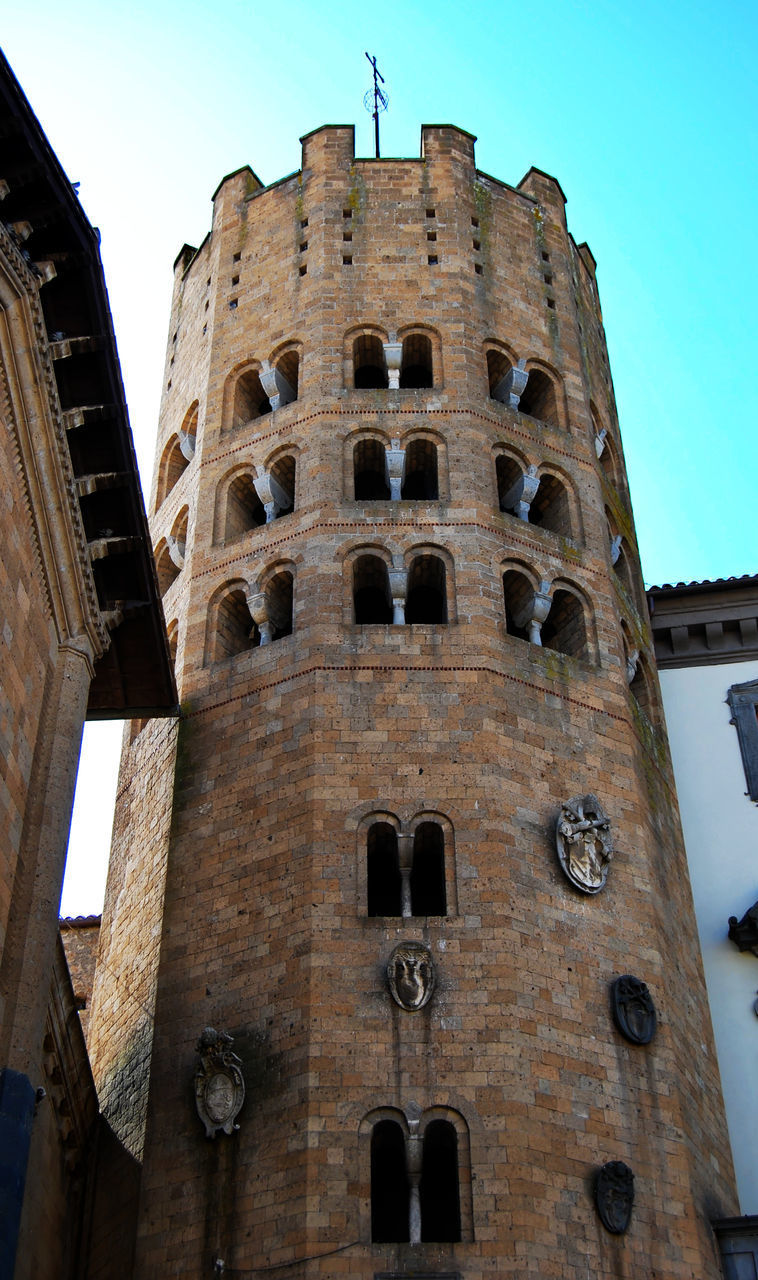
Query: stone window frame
742, 700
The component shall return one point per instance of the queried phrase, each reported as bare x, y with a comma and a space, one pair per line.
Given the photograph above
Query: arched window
283, 472
390, 1190
439, 1191
550, 507
384, 891
172, 634
518, 594
565, 629
640, 688
173, 463
250, 400
235, 630
538, 398
372, 602
428, 871
498, 366
288, 365
167, 569
279, 593
421, 480
369, 367
426, 600
416, 367
370, 471
244, 509
508, 471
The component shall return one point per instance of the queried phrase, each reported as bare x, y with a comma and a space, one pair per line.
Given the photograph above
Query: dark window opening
427, 597
538, 398
279, 604
428, 896
432, 260
347, 261
167, 571
173, 464
368, 362
250, 400
283, 472
439, 1190
550, 507
430, 213
518, 593
369, 471
371, 591
303, 270
235, 630
416, 368
431, 235
383, 883
743, 704
564, 628
508, 472
478, 268
498, 365
421, 479
390, 1193
475, 222
288, 365
244, 509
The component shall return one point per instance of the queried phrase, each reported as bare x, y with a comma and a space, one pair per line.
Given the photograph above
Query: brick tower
398, 564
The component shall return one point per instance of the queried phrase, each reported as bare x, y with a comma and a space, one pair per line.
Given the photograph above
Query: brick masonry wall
286, 750
80, 936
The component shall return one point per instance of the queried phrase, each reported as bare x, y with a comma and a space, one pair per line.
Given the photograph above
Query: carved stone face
583, 842
633, 1009
614, 1196
410, 974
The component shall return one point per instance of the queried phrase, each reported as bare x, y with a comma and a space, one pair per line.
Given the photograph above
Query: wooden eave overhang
699, 624
39, 205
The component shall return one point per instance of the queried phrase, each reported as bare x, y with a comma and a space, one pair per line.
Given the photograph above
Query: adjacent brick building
398, 565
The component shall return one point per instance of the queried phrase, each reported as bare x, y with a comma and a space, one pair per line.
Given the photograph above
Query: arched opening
372, 602
172, 634
369, 368
550, 508
416, 367
498, 365
370, 471
538, 398
426, 600
383, 882
640, 689
508, 471
244, 509
279, 598
439, 1191
518, 594
421, 480
564, 628
283, 472
428, 871
288, 365
235, 630
250, 400
166, 569
390, 1192
173, 464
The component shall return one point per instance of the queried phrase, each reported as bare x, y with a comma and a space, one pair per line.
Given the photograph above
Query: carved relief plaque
219, 1083
633, 1009
614, 1196
410, 974
583, 842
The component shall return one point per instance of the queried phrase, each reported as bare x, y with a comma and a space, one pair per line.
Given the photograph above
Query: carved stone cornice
699, 624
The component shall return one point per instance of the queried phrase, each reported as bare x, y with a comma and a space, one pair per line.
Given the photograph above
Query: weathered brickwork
80, 936
290, 752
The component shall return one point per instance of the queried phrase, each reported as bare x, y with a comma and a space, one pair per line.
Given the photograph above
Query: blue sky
645, 112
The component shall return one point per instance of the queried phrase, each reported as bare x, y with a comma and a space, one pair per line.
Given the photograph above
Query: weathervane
376, 100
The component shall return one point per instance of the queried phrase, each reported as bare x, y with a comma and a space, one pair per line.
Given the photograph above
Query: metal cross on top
376, 100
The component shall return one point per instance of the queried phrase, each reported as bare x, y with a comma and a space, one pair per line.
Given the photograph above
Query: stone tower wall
289, 750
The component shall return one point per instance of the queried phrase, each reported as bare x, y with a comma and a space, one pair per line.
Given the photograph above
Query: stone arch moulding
570, 624
277, 480
281, 373
272, 605
367, 577
449, 859
425, 473
505, 372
